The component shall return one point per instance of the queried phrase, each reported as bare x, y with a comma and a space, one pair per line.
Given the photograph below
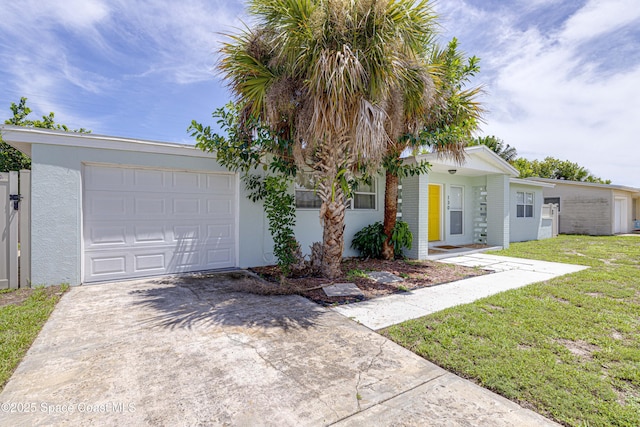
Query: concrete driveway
198, 352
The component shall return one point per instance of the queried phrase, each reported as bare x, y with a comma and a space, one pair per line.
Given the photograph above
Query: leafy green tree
496, 145
248, 145
329, 77
553, 168
12, 159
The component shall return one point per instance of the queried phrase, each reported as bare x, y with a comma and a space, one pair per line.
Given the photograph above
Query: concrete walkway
177, 352
510, 273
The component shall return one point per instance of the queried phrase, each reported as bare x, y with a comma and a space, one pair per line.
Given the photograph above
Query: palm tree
335, 78
498, 146
447, 124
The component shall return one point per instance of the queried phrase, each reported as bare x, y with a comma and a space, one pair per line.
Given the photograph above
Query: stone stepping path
384, 277
342, 290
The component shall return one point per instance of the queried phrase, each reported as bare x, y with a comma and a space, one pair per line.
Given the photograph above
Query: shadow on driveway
219, 299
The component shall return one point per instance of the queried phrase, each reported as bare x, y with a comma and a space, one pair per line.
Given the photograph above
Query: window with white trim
455, 203
364, 197
524, 204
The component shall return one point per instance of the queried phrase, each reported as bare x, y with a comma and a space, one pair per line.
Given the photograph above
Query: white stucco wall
523, 229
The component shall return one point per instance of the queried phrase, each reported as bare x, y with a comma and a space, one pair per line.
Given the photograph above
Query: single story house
107, 208
594, 209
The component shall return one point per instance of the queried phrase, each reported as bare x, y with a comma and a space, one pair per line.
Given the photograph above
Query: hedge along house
479, 202
594, 209
106, 208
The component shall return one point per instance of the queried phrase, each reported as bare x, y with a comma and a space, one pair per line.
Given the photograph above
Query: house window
455, 210
524, 205
306, 198
365, 196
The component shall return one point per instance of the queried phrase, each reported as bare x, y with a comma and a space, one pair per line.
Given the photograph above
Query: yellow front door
434, 212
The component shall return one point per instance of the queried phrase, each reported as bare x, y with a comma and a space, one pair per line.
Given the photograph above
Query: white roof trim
525, 181
22, 138
480, 151
587, 184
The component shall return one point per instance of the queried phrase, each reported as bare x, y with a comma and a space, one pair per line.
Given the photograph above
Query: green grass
355, 273
569, 348
20, 323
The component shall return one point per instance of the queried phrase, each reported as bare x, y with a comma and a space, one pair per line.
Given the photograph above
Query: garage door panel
150, 206
149, 233
108, 265
149, 262
149, 179
190, 206
106, 205
220, 184
220, 207
186, 261
108, 235
148, 222
186, 181
218, 257
105, 178
186, 232
220, 231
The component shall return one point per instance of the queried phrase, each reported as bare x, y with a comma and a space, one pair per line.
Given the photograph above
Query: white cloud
180, 38
600, 17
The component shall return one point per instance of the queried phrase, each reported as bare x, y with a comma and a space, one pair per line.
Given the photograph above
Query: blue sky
561, 77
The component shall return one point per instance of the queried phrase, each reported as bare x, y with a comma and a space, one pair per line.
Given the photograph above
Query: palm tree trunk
333, 237
332, 210
390, 213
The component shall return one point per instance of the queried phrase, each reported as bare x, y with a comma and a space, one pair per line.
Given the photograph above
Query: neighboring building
593, 209
106, 208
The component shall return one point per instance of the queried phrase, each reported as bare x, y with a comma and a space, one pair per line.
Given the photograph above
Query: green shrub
279, 205
369, 240
401, 238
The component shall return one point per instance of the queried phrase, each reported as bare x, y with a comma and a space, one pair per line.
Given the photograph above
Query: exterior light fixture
453, 171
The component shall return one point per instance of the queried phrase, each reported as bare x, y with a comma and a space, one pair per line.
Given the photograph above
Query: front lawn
23, 312
568, 348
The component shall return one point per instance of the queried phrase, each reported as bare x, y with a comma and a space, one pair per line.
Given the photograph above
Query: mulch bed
416, 274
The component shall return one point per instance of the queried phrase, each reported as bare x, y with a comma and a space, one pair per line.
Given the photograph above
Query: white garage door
145, 222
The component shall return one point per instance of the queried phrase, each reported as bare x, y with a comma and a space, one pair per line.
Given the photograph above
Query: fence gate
15, 222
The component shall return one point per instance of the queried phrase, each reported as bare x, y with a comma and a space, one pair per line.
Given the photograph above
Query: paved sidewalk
510, 273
